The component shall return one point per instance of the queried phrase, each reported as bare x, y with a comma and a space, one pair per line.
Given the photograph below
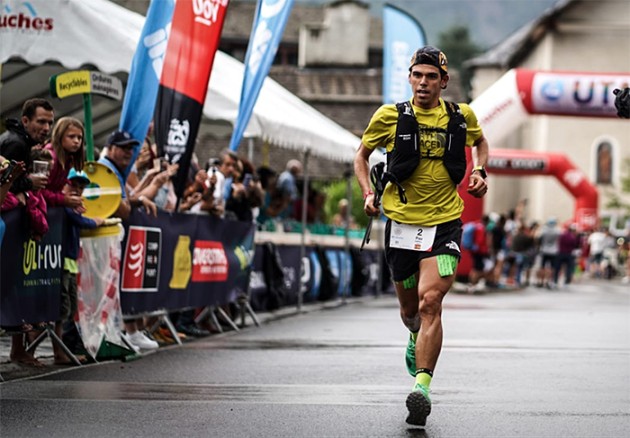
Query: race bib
412, 237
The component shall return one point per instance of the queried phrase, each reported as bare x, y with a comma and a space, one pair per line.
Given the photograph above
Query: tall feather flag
267, 28
402, 35
144, 76
190, 53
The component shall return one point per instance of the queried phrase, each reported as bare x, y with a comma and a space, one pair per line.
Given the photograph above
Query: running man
423, 230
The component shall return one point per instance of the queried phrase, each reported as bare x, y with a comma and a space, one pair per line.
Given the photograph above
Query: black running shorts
403, 263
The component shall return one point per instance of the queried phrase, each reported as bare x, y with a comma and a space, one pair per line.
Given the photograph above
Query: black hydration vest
403, 159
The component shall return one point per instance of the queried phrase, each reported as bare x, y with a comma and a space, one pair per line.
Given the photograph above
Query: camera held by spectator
622, 102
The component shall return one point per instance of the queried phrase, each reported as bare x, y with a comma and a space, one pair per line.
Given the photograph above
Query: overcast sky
489, 21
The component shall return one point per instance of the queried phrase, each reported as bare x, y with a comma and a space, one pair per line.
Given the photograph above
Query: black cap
121, 138
431, 56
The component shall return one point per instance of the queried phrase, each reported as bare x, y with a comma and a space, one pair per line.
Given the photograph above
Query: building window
604, 171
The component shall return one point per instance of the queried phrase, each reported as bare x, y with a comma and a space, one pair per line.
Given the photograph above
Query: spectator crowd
42, 166
512, 252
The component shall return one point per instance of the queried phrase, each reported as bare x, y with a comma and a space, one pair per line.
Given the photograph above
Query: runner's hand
368, 205
477, 186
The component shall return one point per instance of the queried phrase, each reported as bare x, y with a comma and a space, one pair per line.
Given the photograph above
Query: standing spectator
273, 203
21, 135
288, 188
343, 217
548, 248
523, 246
626, 247
120, 146
531, 254
157, 185
8, 174
77, 181
193, 193
568, 244
498, 248
597, 244
16, 143
219, 175
68, 151
481, 270
143, 168
36, 207
247, 194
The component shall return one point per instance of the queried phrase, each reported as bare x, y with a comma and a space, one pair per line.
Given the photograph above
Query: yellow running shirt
432, 196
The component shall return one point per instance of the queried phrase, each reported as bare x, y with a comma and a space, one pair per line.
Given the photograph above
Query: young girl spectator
68, 150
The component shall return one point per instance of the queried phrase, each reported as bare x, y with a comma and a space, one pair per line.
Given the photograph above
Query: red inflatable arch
519, 162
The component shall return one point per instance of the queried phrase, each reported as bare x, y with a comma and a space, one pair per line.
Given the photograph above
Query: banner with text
30, 271
177, 261
190, 52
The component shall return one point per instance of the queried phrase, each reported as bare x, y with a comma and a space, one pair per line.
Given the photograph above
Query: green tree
456, 43
337, 190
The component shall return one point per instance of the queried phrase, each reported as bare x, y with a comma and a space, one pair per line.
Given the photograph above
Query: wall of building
589, 37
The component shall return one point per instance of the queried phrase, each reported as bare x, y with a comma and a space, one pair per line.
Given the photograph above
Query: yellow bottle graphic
182, 264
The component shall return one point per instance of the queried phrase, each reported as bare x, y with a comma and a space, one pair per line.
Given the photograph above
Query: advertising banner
402, 35
570, 93
190, 52
178, 261
269, 21
30, 271
145, 72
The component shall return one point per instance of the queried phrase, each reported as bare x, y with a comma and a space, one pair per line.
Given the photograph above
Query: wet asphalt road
531, 363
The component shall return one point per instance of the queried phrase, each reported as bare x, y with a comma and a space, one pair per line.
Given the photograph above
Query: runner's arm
362, 172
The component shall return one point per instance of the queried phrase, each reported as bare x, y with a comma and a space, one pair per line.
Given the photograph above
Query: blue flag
144, 76
269, 21
402, 35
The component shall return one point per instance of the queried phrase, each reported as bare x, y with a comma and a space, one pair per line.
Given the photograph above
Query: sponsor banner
177, 261
341, 267
291, 268
311, 276
142, 259
570, 93
402, 35
306, 277
176, 129
31, 275
23, 17
145, 72
269, 21
517, 165
192, 45
190, 52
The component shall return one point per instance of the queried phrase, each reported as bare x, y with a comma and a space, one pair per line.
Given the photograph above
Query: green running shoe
418, 405
410, 357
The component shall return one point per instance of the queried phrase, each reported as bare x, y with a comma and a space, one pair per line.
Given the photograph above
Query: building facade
573, 36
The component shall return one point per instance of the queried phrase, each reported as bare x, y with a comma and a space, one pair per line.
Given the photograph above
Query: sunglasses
127, 147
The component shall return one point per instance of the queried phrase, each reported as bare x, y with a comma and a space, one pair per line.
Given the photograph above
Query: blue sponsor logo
552, 90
